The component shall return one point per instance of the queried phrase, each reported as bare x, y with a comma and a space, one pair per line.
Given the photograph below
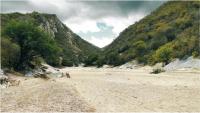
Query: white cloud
82, 25
100, 42
82, 16
79, 25
120, 23
85, 25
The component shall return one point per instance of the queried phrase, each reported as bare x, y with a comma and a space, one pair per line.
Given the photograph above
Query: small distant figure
66, 74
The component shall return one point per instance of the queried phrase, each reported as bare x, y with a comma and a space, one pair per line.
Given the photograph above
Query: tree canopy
33, 43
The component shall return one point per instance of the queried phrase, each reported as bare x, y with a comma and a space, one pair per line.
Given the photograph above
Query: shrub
164, 54
157, 40
10, 53
156, 71
100, 61
91, 60
67, 62
195, 54
140, 47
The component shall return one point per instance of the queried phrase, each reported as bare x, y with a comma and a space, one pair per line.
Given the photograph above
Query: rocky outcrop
74, 48
130, 65
46, 72
189, 63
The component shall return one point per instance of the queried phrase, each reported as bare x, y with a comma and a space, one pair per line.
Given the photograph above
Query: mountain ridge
171, 24
75, 49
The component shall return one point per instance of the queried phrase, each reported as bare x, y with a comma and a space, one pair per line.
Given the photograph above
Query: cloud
82, 25
100, 42
98, 22
120, 23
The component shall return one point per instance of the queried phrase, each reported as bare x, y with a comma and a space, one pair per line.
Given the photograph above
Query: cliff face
75, 49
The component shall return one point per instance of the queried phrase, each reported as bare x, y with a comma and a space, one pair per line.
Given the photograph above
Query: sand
107, 90
38, 95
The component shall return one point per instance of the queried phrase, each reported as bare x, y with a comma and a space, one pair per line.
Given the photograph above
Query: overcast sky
98, 22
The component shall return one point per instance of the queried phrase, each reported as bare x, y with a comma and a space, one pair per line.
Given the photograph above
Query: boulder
45, 71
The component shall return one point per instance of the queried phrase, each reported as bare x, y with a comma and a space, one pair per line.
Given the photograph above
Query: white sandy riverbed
107, 89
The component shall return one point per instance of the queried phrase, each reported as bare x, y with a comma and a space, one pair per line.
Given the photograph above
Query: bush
91, 60
195, 54
36, 62
113, 59
100, 61
156, 71
164, 54
140, 47
157, 41
10, 53
67, 62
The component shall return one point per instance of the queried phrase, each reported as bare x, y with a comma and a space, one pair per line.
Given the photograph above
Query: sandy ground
38, 95
91, 89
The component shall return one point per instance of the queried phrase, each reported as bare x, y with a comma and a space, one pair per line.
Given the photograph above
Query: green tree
140, 48
33, 41
113, 58
100, 61
10, 53
195, 54
91, 60
157, 39
164, 54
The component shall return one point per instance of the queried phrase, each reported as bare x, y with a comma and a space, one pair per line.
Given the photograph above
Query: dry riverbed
106, 89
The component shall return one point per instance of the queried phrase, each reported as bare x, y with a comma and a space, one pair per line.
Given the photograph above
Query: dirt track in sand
92, 89
38, 95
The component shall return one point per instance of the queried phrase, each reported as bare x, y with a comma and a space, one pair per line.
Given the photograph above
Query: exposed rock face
45, 71
74, 48
130, 65
189, 63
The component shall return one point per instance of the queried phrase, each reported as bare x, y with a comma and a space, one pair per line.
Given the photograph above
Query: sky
98, 22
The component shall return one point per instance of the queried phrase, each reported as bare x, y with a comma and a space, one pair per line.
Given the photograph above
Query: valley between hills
152, 66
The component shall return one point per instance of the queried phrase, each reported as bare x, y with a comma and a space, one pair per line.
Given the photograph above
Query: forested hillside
28, 39
171, 31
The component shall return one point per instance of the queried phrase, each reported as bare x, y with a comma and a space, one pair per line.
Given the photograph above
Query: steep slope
171, 31
74, 49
